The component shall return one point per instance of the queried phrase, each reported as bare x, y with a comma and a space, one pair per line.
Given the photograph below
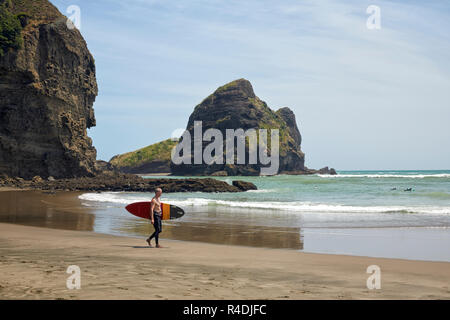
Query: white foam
114, 197
295, 206
412, 176
262, 191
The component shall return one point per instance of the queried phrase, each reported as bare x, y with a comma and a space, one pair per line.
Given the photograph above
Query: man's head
158, 192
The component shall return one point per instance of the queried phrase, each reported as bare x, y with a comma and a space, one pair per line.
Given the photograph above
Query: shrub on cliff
10, 29
23, 18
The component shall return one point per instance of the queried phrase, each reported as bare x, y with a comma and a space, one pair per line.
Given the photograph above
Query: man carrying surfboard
156, 217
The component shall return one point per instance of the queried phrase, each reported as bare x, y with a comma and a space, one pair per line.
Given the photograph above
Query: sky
364, 99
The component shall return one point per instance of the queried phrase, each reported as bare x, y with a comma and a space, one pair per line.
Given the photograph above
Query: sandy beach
34, 262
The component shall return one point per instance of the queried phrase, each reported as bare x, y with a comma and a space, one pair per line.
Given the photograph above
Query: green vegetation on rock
10, 29
227, 86
158, 151
38, 10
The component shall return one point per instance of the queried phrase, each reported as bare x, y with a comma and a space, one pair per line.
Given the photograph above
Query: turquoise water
355, 212
351, 198
352, 191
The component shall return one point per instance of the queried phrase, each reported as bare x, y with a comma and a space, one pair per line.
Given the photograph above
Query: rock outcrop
126, 182
244, 185
235, 106
47, 90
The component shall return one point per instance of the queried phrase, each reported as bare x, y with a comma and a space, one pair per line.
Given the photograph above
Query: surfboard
142, 210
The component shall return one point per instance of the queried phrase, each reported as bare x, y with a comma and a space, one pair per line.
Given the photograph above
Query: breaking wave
409, 176
294, 206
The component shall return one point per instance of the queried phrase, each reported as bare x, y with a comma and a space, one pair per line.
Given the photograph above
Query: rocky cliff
47, 90
235, 106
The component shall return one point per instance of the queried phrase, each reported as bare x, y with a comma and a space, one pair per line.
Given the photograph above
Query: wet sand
63, 210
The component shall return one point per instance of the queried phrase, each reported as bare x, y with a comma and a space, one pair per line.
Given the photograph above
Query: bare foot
159, 246
149, 244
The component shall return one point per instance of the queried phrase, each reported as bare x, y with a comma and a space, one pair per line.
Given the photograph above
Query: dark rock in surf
244, 186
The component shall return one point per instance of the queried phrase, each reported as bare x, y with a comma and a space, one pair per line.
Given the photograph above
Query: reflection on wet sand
232, 234
61, 210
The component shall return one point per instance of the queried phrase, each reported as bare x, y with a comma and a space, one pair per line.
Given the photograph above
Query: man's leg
152, 236
155, 233
158, 229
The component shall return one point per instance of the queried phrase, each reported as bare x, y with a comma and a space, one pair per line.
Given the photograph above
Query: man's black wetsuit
158, 226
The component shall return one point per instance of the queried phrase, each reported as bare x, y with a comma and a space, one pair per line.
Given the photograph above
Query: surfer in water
155, 217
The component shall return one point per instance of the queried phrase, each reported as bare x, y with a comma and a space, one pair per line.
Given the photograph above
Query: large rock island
235, 106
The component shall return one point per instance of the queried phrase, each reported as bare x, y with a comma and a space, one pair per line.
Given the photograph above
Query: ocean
396, 213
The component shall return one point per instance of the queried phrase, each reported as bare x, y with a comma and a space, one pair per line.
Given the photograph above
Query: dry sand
33, 264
